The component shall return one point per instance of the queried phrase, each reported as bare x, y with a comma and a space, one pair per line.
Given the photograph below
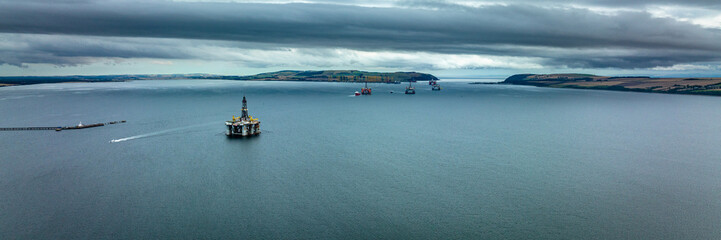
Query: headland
287, 75
700, 86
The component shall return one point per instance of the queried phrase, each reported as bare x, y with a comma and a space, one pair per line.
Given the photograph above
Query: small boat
436, 87
357, 93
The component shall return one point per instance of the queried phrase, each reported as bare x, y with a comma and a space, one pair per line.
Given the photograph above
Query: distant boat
436, 87
357, 93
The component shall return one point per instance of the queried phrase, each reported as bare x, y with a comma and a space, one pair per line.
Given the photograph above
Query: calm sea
468, 162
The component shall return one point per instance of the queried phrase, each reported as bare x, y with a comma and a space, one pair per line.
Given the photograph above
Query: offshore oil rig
434, 85
243, 126
410, 89
366, 90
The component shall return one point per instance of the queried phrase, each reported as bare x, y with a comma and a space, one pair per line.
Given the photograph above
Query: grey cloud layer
64, 50
560, 35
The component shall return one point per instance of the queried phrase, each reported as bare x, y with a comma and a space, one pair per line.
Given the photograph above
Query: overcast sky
448, 38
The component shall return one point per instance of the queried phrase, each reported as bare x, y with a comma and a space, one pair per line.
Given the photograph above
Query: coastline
288, 75
687, 86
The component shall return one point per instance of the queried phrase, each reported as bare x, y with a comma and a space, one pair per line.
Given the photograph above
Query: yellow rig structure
243, 126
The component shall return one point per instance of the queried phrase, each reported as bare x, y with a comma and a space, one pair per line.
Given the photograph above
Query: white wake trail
131, 138
158, 132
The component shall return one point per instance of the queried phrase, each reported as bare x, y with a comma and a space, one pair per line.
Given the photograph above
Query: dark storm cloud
599, 3
513, 30
73, 50
651, 2
639, 60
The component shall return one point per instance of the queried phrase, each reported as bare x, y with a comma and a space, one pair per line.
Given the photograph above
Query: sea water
466, 162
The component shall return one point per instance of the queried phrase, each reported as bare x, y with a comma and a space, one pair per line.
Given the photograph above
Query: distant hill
703, 86
320, 76
24, 80
338, 76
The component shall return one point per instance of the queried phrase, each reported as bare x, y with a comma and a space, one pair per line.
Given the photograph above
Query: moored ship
243, 126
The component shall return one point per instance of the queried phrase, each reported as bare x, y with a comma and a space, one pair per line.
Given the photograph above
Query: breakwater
79, 126
28, 128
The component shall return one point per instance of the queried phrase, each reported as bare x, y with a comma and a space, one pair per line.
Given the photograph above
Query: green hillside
339, 76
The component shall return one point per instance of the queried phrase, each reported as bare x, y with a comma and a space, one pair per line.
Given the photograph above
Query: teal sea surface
466, 162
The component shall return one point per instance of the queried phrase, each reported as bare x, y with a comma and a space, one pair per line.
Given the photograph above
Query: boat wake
167, 131
133, 137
